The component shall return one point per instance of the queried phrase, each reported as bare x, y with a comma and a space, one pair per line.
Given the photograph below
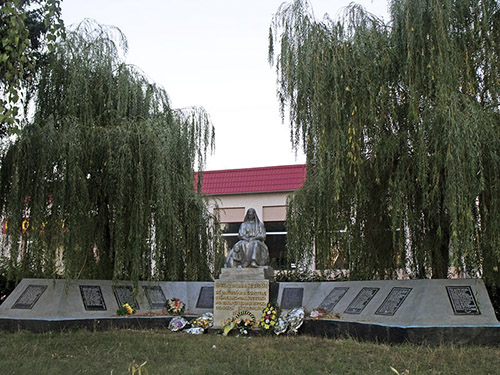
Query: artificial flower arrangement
175, 306
270, 316
201, 322
125, 309
198, 325
243, 321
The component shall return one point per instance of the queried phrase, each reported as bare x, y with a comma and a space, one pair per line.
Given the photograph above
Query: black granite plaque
155, 296
292, 298
393, 301
124, 294
363, 298
205, 298
92, 298
29, 297
462, 300
333, 298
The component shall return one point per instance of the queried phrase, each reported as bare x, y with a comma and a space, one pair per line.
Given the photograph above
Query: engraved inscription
237, 296
205, 298
462, 300
292, 297
29, 297
155, 296
124, 294
233, 297
333, 298
92, 298
363, 298
393, 301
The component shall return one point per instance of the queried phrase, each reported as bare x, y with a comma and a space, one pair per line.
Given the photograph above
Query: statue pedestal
242, 289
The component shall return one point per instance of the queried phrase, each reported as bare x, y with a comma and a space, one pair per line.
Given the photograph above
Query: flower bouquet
200, 322
270, 316
175, 306
125, 309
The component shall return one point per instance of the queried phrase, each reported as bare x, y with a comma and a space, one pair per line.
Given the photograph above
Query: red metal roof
253, 180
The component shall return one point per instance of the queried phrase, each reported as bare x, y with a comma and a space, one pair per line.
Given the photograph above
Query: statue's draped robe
250, 250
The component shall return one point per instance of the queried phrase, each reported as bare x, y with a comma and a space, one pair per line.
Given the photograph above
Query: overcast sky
213, 54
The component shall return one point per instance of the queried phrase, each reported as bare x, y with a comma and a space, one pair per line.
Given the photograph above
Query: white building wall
239, 203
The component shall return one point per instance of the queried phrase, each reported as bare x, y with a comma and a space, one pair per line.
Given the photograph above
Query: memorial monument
246, 281
250, 250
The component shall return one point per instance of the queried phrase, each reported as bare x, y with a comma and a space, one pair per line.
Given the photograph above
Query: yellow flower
129, 309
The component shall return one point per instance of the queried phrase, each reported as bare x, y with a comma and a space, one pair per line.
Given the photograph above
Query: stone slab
155, 296
408, 303
292, 297
61, 299
241, 290
398, 303
234, 297
205, 298
258, 273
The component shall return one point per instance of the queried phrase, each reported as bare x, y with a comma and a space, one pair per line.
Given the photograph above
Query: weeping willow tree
28, 28
100, 183
400, 124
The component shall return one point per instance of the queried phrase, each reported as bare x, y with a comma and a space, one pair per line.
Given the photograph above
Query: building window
276, 243
230, 235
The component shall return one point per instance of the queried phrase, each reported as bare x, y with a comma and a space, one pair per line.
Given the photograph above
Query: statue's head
251, 215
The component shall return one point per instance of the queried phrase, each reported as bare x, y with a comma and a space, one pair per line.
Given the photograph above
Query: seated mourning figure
250, 250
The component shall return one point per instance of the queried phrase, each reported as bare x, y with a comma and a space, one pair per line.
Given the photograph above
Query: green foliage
105, 172
28, 31
400, 125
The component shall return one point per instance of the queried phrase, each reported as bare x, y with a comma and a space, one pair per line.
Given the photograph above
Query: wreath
243, 321
175, 306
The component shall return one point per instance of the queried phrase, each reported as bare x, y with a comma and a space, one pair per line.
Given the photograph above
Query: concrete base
449, 335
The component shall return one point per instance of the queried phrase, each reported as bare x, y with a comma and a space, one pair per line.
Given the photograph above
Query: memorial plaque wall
393, 301
363, 298
205, 298
462, 300
29, 297
124, 294
92, 298
333, 298
292, 298
155, 296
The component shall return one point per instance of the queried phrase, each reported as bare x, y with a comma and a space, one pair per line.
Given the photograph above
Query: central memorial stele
246, 281
242, 289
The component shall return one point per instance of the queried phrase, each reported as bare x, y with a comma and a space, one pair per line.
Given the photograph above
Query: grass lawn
165, 352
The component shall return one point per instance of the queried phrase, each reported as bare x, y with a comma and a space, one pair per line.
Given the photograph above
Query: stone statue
250, 250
